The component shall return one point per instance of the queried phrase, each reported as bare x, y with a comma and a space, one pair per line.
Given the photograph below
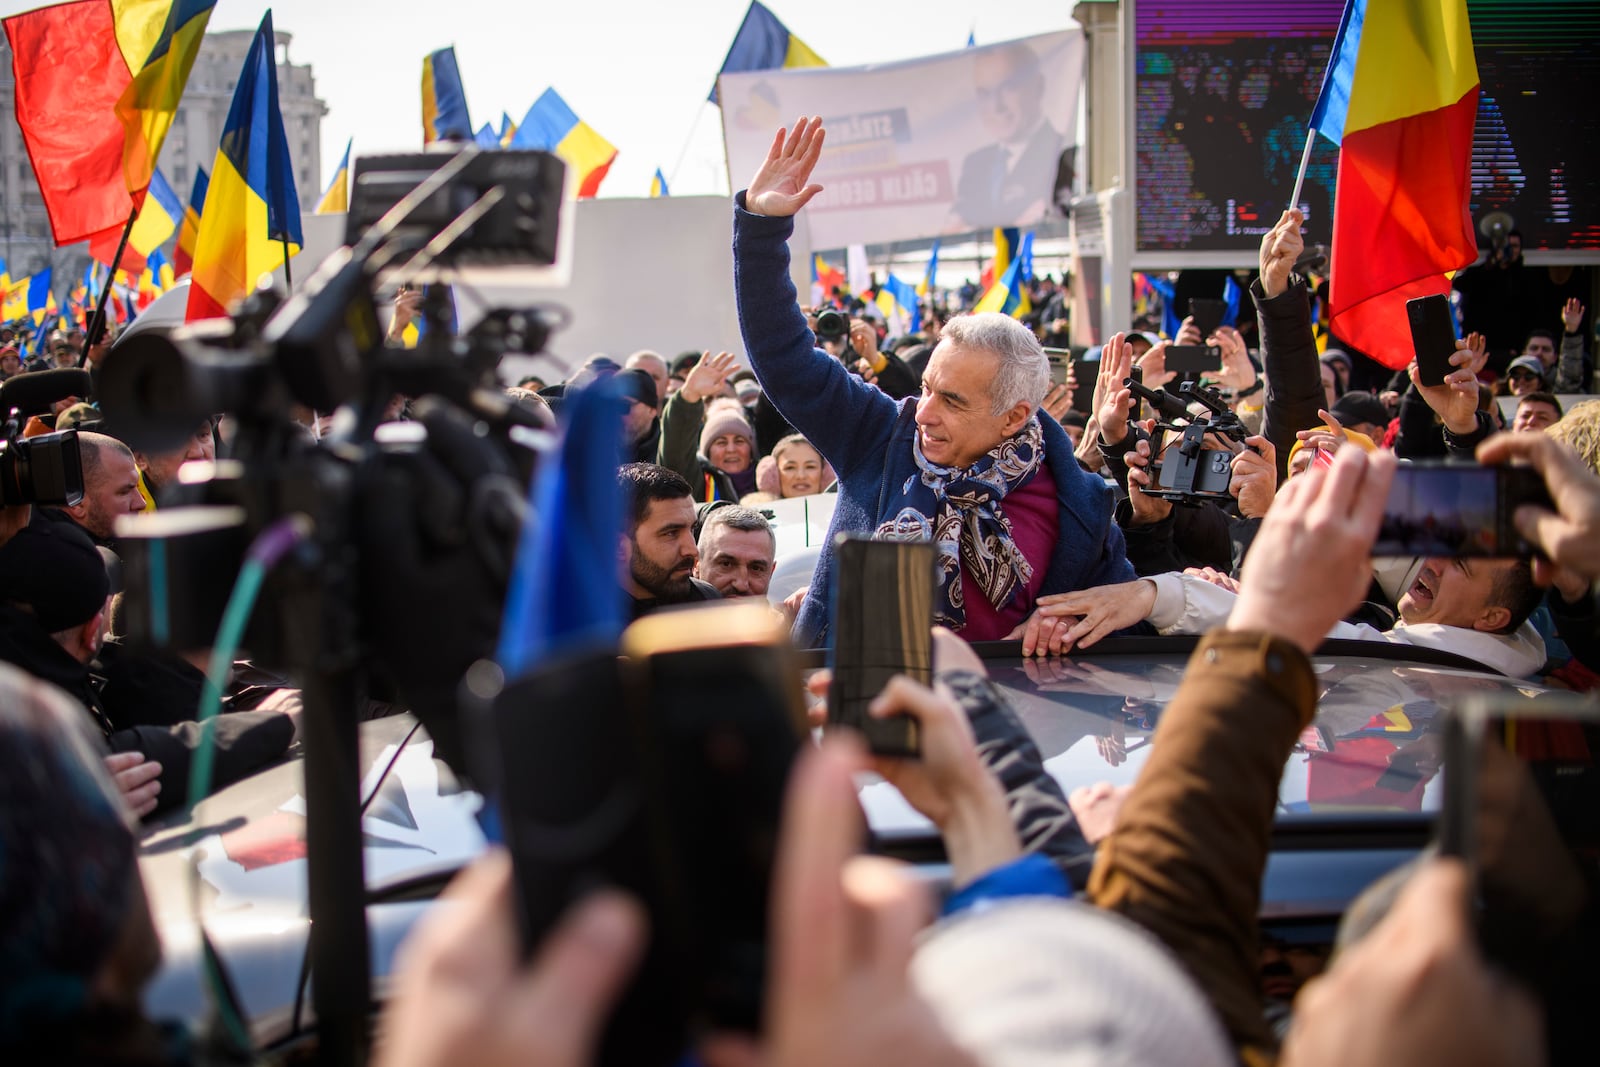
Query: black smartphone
1438, 508
1086, 370
882, 626
1060, 360
1521, 807
1433, 336
1191, 361
661, 774
1207, 313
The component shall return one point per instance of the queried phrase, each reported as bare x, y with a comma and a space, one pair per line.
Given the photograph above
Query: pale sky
636, 71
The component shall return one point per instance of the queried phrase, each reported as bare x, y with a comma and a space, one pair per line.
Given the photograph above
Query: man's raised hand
783, 184
1280, 248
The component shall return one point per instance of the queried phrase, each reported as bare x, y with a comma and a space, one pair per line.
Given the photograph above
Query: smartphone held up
1458, 509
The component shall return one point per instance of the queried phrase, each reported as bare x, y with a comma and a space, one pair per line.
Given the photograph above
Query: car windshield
1373, 751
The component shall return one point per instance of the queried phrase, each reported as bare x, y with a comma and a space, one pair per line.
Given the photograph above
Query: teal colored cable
229, 635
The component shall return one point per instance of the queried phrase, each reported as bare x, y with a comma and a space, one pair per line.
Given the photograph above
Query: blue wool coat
868, 438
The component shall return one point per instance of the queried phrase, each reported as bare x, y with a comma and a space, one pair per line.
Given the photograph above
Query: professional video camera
1186, 471
46, 468
385, 557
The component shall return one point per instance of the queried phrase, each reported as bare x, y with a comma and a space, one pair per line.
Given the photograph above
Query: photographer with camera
854, 342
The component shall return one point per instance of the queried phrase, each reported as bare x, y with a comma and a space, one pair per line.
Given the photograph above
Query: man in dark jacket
53, 592
969, 464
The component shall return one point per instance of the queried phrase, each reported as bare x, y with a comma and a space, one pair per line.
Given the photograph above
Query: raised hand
1237, 373
1572, 315
1456, 401
137, 779
1280, 247
705, 378
783, 184
1154, 363
1112, 399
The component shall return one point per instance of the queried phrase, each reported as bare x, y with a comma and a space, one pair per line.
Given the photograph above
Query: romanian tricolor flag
251, 221
764, 43
444, 101
508, 130
158, 274
1400, 99
336, 197
1008, 295
551, 126
189, 231
1005, 247
97, 85
658, 185
158, 221
486, 137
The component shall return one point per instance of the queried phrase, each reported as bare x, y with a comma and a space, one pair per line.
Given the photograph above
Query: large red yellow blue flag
1400, 99
251, 222
551, 126
97, 86
189, 229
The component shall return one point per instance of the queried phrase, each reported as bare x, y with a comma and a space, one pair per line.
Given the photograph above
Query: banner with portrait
943, 144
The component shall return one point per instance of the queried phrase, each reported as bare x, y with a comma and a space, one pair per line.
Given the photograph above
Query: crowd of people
1053, 527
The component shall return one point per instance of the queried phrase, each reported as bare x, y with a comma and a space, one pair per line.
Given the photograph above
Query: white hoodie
1186, 604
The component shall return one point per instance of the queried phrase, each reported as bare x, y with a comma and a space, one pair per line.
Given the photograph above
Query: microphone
35, 391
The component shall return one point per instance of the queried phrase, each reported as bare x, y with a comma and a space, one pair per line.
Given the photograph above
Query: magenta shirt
1034, 512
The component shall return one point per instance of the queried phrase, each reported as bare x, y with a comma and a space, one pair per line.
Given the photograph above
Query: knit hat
1527, 363
66, 857
1360, 440
725, 420
53, 568
1337, 355
1035, 981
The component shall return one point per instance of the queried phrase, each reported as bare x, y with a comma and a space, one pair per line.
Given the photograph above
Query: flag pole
288, 282
1305, 159
97, 325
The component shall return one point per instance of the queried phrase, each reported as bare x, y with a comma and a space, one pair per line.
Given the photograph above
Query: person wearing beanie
707, 439
54, 591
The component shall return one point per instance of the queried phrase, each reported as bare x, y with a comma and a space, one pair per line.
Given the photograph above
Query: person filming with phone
968, 463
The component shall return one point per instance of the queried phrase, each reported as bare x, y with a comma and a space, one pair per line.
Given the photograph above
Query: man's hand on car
1091, 614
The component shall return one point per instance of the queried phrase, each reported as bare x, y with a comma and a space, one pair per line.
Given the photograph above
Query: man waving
970, 464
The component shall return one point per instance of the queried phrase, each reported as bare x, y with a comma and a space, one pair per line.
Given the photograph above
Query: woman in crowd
795, 468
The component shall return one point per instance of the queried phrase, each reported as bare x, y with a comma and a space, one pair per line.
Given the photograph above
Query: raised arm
841, 415
1288, 347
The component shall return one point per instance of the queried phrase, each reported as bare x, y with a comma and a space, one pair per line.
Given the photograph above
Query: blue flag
563, 593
